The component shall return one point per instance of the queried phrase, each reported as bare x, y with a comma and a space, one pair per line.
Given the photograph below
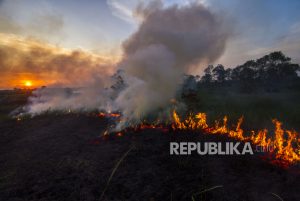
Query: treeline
271, 72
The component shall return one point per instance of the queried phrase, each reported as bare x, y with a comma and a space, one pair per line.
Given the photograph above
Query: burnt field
65, 157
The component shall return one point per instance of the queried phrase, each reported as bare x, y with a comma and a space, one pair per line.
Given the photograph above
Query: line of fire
285, 143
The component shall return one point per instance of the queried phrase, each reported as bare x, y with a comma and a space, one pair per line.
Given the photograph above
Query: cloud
240, 49
51, 64
41, 21
88, 74
122, 11
259, 27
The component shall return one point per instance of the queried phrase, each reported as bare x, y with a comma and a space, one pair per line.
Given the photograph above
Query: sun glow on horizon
28, 83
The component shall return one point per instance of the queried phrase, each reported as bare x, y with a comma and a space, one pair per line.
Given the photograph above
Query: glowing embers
109, 114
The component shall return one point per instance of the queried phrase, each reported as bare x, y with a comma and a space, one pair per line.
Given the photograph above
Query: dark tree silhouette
219, 73
207, 77
271, 71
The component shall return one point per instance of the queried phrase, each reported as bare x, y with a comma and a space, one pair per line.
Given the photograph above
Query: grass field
11, 100
257, 108
56, 157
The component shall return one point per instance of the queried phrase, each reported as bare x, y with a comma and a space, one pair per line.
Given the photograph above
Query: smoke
44, 64
22, 58
169, 43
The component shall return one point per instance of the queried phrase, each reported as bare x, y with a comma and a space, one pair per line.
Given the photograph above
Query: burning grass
75, 166
283, 145
280, 146
284, 142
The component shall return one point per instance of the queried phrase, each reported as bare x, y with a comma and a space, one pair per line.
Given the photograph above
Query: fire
286, 143
109, 114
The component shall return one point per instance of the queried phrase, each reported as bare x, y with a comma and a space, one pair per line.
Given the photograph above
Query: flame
286, 143
260, 138
109, 114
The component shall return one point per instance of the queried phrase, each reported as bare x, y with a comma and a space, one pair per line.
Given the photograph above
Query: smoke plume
44, 64
169, 43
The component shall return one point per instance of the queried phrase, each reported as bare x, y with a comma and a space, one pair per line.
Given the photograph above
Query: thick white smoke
168, 43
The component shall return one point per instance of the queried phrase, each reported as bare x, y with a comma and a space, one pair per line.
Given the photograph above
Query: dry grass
114, 171
205, 190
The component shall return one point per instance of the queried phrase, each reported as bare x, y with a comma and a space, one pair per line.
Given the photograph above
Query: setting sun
28, 83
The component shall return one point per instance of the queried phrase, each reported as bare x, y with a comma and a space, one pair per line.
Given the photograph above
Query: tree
207, 77
278, 58
219, 73
271, 72
247, 74
228, 74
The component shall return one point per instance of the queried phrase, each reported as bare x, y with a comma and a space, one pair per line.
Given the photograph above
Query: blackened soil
63, 157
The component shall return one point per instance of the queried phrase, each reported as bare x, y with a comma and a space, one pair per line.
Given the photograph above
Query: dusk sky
100, 26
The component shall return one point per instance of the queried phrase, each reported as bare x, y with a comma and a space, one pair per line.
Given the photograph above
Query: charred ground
62, 157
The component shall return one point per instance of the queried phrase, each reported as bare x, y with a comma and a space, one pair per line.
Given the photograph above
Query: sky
97, 28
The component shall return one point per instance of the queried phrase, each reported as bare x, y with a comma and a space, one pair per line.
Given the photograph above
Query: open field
258, 108
64, 157
11, 100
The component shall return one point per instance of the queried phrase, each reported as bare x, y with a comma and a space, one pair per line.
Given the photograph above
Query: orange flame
285, 142
114, 115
